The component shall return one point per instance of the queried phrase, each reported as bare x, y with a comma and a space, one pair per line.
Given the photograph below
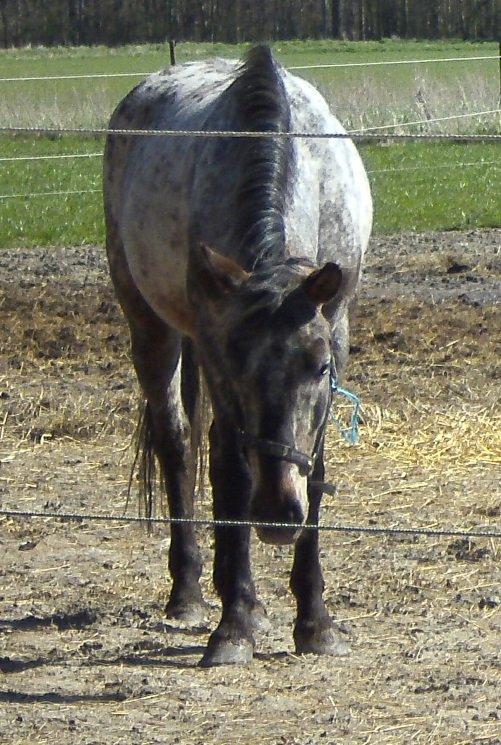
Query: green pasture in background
360, 96
432, 195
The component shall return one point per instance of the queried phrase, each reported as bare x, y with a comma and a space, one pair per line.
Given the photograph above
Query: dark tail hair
146, 468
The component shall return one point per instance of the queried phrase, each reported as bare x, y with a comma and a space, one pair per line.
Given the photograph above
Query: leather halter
304, 462
279, 450
289, 453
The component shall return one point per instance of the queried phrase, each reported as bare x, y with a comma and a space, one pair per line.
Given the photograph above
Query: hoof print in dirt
465, 549
455, 267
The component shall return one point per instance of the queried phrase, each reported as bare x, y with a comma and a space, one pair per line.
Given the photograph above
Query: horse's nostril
294, 514
288, 512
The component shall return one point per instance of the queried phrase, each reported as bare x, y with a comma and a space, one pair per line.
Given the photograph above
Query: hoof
225, 652
320, 641
191, 614
259, 619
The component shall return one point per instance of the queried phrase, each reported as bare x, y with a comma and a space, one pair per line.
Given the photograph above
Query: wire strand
382, 63
425, 121
369, 529
494, 163
250, 135
379, 63
49, 193
11, 159
350, 131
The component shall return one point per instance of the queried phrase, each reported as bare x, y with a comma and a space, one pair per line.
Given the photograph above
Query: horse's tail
146, 468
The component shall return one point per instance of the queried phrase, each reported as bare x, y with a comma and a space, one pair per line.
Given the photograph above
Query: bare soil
86, 653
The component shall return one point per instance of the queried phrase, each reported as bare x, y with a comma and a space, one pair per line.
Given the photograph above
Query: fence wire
471, 164
383, 63
50, 193
59, 156
430, 120
361, 130
477, 164
378, 63
219, 134
368, 529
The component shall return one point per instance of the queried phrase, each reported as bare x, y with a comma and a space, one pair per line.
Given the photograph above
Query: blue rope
351, 433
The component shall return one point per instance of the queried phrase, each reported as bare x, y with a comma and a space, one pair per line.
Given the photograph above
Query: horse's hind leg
170, 384
169, 379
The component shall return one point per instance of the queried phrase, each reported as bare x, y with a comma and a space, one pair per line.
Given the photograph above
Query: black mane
262, 105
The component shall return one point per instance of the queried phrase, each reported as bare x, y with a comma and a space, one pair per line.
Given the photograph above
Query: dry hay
422, 614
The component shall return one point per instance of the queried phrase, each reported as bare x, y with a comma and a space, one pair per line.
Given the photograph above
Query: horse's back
147, 179
157, 189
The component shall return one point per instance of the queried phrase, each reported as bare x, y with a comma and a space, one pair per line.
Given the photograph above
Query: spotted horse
237, 258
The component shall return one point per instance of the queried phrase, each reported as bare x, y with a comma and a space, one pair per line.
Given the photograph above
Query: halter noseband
303, 461
279, 450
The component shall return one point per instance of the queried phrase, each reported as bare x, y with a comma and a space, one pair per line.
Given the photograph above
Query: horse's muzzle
281, 523
277, 536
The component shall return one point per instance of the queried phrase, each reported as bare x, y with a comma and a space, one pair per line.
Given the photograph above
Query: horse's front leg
233, 641
313, 629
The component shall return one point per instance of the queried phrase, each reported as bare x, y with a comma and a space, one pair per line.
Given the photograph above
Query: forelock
266, 289
266, 310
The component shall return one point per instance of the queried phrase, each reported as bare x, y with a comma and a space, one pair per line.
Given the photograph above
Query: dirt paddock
86, 653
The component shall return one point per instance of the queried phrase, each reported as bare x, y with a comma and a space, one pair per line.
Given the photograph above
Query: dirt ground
86, 653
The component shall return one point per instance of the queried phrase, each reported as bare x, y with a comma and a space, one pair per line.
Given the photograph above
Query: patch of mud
436, 267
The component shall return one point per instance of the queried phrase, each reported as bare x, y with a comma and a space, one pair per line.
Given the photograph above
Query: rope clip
351, 433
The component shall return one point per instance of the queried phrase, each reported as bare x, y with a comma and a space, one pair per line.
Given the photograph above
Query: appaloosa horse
241, 256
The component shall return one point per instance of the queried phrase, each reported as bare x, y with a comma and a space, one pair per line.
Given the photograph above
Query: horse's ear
322, 285
211, 274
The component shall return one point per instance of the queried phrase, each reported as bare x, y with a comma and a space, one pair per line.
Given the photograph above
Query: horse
235, 261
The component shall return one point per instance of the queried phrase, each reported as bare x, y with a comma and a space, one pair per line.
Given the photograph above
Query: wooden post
172, 45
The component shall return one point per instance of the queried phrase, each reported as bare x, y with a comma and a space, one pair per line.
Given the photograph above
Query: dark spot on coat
168, 97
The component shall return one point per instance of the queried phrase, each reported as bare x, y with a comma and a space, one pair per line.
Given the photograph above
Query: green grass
51, 220
360, 96
68, 60
433, 196
429, 198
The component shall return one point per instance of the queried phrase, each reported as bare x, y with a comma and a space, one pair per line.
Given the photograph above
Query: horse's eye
324, 369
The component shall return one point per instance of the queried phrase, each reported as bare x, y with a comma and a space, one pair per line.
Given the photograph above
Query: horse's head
265, 341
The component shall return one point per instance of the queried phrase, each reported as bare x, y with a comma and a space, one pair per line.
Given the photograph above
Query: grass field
437, 193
